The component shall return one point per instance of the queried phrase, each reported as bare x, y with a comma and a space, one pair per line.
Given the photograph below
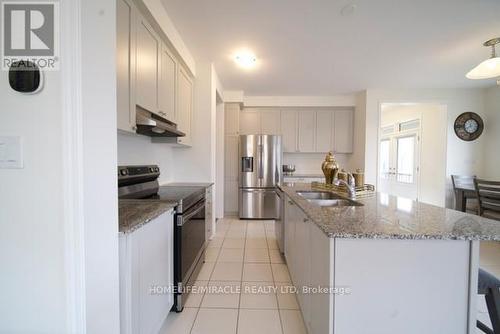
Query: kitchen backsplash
138, 150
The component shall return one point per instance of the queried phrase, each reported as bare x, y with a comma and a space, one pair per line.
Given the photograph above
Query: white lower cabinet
146, 271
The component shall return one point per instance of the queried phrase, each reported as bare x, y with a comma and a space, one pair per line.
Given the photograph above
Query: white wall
462, 157
32, 283
138, 150
433, 135
492, 133
37, 268
357, 158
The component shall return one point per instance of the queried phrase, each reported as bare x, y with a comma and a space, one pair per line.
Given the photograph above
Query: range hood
152, 125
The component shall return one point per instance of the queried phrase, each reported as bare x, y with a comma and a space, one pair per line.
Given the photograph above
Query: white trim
233, 96
72, 145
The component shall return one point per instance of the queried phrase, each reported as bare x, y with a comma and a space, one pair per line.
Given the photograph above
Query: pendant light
489, 68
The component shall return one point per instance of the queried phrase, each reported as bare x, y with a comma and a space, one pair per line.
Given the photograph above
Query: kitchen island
386, 265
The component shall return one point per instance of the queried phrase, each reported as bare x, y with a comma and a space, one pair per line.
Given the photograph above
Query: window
409, 125
405, 159
385, 158
387, 130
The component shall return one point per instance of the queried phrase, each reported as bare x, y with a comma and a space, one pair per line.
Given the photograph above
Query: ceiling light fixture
489, 68
245, 59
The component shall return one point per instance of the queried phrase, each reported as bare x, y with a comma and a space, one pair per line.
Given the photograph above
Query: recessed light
245, 59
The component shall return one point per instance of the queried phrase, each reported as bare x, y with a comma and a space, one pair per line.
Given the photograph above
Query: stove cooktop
185, 196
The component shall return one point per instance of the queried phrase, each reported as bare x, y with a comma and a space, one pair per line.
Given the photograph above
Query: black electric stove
141, 183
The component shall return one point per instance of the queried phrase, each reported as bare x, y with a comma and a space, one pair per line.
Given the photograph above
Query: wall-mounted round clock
469, 126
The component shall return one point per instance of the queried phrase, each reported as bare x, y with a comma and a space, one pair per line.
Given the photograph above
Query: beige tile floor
243, 254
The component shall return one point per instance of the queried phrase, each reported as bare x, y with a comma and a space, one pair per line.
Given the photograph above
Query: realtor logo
30, 32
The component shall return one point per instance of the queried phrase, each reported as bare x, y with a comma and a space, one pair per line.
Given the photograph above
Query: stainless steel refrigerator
260, 171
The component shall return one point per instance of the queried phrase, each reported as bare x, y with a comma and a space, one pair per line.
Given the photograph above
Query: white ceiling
306, 47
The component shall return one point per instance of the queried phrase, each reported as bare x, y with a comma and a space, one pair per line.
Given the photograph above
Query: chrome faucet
350, 185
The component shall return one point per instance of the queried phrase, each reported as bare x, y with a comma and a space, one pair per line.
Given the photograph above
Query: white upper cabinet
184, 105
148, 49
265, 121
321, 131
289, 130
167, 90
150, 76
307, 127
125, 63
270, 122
344, 131
324, 131
249, 122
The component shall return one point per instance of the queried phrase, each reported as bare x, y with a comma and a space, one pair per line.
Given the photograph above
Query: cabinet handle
290, 202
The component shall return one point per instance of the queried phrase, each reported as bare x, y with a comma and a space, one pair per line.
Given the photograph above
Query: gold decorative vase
359, 177
330, 168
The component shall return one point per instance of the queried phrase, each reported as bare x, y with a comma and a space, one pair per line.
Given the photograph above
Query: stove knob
123, 172
151, 169
157, 169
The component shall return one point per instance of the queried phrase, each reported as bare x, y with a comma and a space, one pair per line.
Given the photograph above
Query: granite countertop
389, 217
133, 214
189, 184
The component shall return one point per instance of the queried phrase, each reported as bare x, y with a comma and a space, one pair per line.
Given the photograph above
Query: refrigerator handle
261, 166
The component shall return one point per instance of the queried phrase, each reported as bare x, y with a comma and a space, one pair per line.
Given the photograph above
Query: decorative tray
364, 191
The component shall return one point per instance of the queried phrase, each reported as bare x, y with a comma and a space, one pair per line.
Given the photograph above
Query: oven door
189, 244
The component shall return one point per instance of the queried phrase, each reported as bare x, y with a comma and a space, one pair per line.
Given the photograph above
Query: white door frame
72, 141
441, 102
84, 109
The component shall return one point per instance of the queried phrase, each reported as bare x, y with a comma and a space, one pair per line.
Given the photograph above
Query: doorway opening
412, 151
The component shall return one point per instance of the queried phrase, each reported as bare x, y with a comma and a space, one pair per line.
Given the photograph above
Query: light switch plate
11, 152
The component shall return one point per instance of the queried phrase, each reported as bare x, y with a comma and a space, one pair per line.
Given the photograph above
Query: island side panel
402, 286
321, 304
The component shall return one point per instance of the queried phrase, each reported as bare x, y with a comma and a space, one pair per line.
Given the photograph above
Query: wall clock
469, 126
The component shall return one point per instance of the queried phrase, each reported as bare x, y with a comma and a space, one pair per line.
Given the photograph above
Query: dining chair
460, 184
488, 285
488, 194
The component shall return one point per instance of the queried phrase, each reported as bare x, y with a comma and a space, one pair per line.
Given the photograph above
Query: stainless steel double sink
325, 198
